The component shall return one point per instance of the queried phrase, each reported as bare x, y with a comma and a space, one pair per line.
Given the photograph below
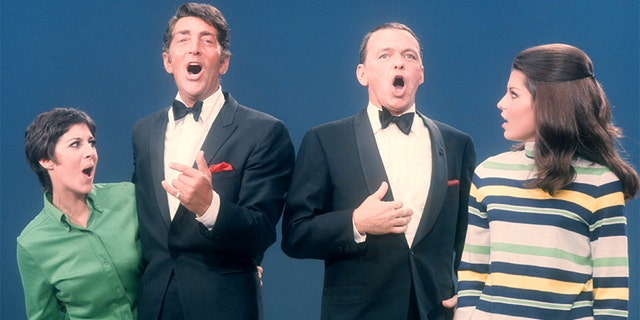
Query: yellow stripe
474, 192
584, 200
610, 200
465, 275
611, 293
539, 284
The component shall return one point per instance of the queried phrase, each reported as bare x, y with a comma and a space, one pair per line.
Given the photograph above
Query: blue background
295, 60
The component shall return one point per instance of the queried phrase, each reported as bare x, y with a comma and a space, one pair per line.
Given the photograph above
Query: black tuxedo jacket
338, 166
214, 270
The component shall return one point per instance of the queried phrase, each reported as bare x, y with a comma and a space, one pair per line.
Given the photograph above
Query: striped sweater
529, 255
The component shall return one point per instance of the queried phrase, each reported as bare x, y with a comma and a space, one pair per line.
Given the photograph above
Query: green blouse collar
58, 215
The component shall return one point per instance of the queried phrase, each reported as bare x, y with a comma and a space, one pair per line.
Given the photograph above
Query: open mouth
398, 82
194, 68
88, 172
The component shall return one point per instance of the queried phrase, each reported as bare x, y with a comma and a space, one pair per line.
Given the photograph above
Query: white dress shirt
407, 162
183, 140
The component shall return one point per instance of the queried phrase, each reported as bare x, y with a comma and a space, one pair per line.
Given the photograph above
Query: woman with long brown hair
547, 235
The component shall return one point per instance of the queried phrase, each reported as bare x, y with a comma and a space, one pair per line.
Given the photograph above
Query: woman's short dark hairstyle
206, 12
572, 116
43, 133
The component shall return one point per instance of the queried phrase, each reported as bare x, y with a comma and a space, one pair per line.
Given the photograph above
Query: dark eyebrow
73, 139
206, 33
183, 32
188, 32
512, 88
412, 50
387, 49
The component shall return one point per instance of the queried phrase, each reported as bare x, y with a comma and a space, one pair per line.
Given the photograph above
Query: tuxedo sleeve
311, 226
247, 224
468, 166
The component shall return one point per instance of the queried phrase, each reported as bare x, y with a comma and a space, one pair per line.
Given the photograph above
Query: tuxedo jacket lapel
158, 132
374, 173
221, 129
370, 160
438, 184
219, 132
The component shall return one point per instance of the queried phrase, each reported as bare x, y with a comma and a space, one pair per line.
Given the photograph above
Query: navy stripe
611, 282
538, 296
539, 272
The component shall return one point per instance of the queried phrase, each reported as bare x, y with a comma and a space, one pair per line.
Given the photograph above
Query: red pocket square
222, 166
453, 183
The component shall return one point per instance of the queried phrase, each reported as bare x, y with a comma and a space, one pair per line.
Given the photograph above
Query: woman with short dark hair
79, 258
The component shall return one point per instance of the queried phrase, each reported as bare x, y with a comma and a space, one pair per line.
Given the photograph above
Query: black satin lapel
370, 160
156, 159
221, 129
438, 187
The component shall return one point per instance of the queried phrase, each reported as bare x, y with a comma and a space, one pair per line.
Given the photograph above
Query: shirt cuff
359, 238
208, 219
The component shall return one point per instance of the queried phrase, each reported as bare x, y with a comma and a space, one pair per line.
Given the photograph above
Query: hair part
209, 14
387, 25
572, 117
43, 133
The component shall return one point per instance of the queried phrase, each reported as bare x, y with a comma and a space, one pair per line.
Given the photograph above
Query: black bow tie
403, 122
180, 110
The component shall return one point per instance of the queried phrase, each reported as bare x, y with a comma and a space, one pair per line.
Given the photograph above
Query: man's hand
260, 270
375, 216
451, 302
193, 186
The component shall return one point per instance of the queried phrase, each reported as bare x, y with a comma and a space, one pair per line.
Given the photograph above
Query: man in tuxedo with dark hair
381, 196
211, 177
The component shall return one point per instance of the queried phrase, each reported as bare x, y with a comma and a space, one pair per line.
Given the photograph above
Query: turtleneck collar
529, 149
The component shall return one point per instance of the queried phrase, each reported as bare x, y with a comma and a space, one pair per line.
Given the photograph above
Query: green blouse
71, 272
